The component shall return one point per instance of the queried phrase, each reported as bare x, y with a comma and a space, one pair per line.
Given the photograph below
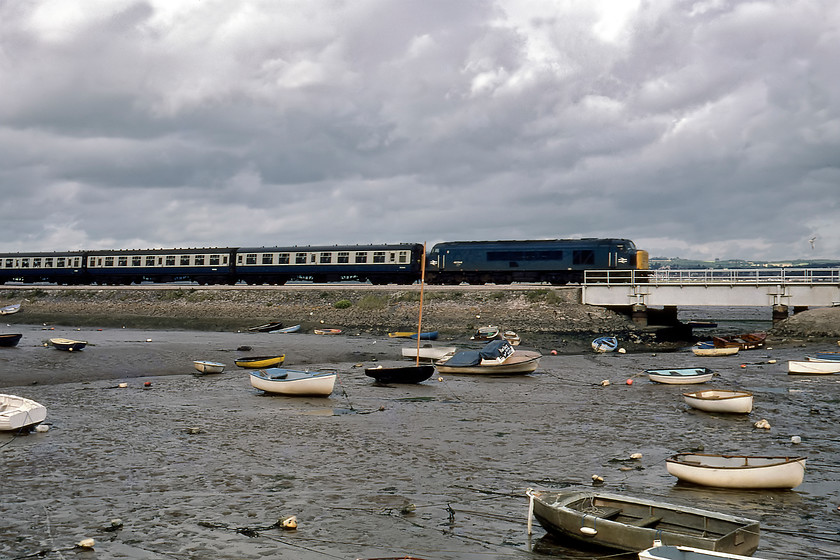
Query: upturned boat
632, 524
720, 400
811, 367
9, 340
680, 376
204, 366
605, 344
18, 412
737, 471
293, 382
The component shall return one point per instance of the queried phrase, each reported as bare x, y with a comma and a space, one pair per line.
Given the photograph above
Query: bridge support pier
799, 309
780, 313
638, 314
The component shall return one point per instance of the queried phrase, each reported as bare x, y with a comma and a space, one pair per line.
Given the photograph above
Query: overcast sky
697, 129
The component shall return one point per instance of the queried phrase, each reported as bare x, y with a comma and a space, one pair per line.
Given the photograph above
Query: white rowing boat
808, 367
737, 471
720, 400
18, 412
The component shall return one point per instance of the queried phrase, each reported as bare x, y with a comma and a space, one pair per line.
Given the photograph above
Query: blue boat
605, 344
425, 335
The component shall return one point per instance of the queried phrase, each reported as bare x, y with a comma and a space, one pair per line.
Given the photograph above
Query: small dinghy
267, 327
811, 367
490, 332
203, 366
708, 348
680, 376
719, 400
68, 344
327, 331
10, 309
498, 357
662, 552
632, 524
9, 340
429, 353
293, 328
293, 382
18, 412
401, 374
605, 344
260, 362
737, 471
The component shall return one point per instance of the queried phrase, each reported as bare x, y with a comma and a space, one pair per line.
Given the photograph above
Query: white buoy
86, 543
795, 439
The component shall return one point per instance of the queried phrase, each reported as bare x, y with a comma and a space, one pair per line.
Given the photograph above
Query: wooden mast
420, 317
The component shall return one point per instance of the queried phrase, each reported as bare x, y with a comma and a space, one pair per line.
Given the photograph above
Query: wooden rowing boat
720, 400
737, 471
708, 348
680, 376
327, 331
660, 551
632, 524
259, 362
748, 341
18, 412
293, 382
267, 327
68, 344
810, 367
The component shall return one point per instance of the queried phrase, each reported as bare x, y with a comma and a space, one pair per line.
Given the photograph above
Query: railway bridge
783, 289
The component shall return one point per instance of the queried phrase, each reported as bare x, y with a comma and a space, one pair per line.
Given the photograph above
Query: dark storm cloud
699, 129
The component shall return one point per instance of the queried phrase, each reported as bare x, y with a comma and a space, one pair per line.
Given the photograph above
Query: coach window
36, 263
185, 260
392, 257
283, 258
48, 262
343, 257
122, 261
59, 262
251, 258
361, 257
9, 263
24, 263
403, 256
214, 260
109, 261
300, 258
326, 258
379, 256
136, 261
150, 260
170, 260
268, 258
199, 260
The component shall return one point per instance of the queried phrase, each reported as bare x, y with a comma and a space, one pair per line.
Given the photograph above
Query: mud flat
204, 466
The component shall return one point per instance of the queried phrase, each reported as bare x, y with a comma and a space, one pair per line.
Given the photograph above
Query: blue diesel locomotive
557, 261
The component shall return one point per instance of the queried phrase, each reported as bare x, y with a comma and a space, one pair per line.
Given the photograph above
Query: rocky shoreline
544, 314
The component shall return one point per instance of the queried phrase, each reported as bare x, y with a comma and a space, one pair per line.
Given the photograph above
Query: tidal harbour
200, 466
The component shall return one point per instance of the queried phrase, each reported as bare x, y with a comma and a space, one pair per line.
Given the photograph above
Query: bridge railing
715, 277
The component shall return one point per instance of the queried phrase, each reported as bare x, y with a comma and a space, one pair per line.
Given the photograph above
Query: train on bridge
553, 261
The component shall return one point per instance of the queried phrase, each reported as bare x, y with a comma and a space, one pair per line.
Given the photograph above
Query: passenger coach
203, 266
61, 268
379, 264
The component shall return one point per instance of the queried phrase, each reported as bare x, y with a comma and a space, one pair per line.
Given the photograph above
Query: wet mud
204, 466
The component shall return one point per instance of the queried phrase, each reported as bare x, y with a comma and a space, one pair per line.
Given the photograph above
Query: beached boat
490, 332
401, 374
68, 344
808, 367
660, 551
10, 309
632, 524
428, 353
708, 348
259, 362
18, 412
294, 382
823, 356
512, 338
737, 471
401, 334
267, 327
327, 331
680, 376
10, 339
204, 366
701, 324
605, 344
430, 335
293, 328
748, 341
497, 358
720, 400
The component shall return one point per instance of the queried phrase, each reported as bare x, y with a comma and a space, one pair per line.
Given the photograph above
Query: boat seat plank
609, 513
646, 522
